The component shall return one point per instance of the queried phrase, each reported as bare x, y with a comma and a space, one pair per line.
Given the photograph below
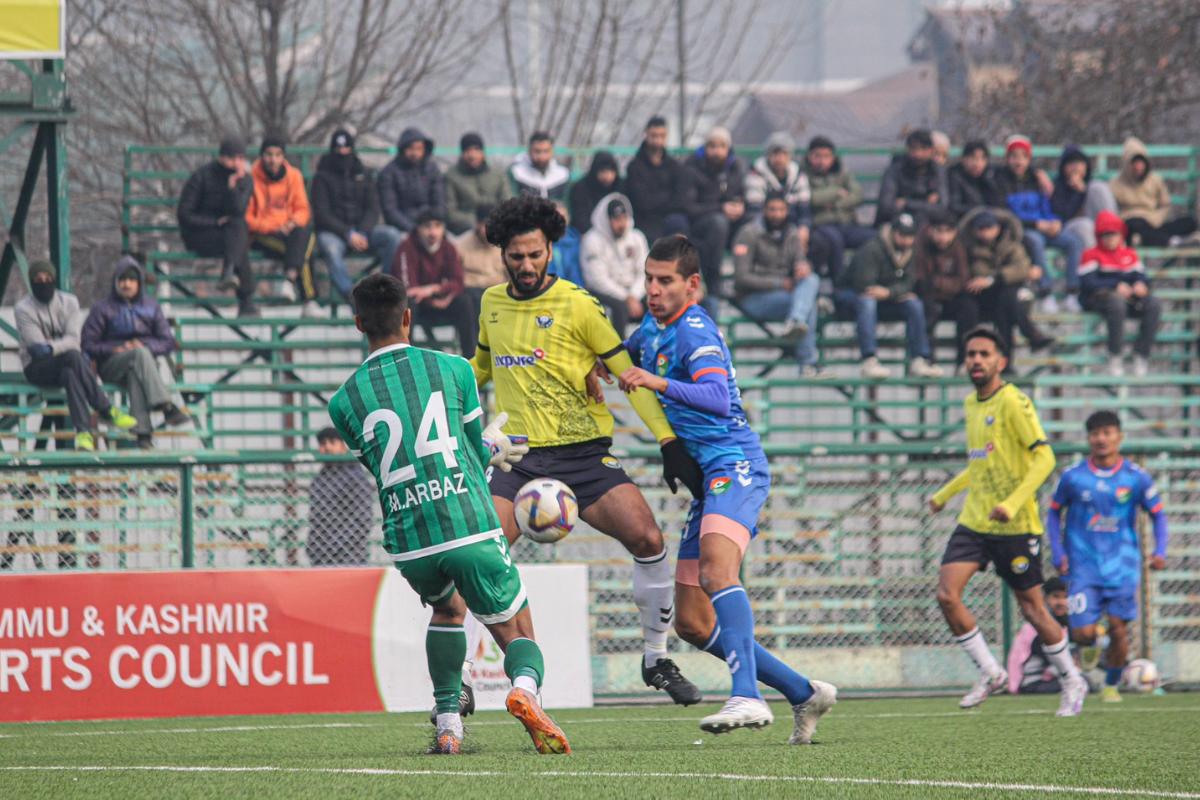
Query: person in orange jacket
279, 218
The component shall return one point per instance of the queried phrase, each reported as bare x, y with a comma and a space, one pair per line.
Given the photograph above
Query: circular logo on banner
1020, 565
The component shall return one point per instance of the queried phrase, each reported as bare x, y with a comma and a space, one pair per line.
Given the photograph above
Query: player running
684, 359
539, 337
412, 417
1008, 459
1102, 559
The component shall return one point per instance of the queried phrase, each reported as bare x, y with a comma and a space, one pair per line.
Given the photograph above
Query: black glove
680, 467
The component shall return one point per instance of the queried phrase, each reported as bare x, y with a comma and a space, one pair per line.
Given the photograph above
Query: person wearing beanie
536, 172
472, 183
836, 197
411, 183
913, 182
49, 328
432, 272
1076, 198
212, 218
612, 255
714, 199
1145, 202
602, 179
775, 171
652, 183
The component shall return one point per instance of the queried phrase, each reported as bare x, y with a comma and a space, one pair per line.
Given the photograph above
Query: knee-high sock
445, 646
1059, 655
474, 632
736, 620
975, 643
654, 594
771, 671
524, 665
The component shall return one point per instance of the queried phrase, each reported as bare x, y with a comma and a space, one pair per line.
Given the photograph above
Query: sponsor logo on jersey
661, 364
1123, 494
611, 462
519, 361
539, 353
977, 453
544, 320
1098, 523
1020, 565
719, 485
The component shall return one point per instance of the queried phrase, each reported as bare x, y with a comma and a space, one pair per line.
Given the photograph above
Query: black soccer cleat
665, 675
466, 704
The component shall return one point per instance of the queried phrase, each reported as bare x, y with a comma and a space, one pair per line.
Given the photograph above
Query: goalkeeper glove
506, 450
678, 465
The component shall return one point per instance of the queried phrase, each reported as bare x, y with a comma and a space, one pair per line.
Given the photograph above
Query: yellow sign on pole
32, 29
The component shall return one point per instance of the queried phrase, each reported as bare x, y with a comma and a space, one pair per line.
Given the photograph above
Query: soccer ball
1141, 675
546, 510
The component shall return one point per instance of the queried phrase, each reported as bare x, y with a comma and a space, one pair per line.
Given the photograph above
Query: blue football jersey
686, 349
1100, 534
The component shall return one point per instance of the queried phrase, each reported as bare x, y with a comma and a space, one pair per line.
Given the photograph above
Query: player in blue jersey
1101, 557
680, 355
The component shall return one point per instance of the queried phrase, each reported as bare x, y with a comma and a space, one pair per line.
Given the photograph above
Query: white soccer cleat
808, 713
1073, 692
738, 712
984, 687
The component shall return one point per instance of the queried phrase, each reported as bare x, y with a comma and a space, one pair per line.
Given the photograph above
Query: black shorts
1018, 557
588, 468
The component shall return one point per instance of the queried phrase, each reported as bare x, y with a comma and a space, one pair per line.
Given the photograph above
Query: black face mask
43, 292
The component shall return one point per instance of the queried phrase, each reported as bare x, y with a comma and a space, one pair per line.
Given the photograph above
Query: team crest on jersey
611, 462
544, 320
719, 485
661, 364
1123, 494
1020, 565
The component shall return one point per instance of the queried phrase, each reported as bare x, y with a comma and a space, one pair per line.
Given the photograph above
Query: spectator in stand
472, 183
411, 184
1029, 670
124, 334
482, 265
941, 148
564, 261
943, 277
212, 218
774, 282
1145, 202
652, 185
973, 182
49, 323
340, 502
914, 182
346, 212
777, 171
432, 273
278, 217
1077, 198
602, 179
536, 172
1114, 286
880, 284
612, 255
836, 197
715, 201
1029, 199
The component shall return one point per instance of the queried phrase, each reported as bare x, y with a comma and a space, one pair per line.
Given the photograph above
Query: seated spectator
942, 279
777, 171
482, 264
774, 282
914, 183
973, 182
941, 148
602, 179
123, 334
472, 183
278, 217
432, 273
1028, 198
714, 200
1029, 670
1076, 198
836, 197
1145, 202
346, 212
49, 323
564, 262
1114, 285
652, 185
879, 285
411, 184
612, 255
341, 499
212, 219
536, 172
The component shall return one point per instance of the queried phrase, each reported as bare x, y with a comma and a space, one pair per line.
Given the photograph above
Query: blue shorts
737, 490
1086, 603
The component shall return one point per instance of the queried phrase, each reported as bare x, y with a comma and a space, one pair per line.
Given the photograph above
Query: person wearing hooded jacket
1076, 198
1144, 200
472, 183
411, 184
836, 197
652, 183
913, 182
714, 198
612, 256
602, 179
536, 172
775, 171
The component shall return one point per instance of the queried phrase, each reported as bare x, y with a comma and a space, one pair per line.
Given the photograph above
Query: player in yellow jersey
539, 337
1008, 459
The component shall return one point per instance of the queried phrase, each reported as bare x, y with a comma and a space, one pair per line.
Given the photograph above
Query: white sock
975, 644
1060, 656
654, 594
473, 629
527, 683
451, 722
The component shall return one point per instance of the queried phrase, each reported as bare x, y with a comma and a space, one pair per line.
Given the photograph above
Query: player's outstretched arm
945, 494
1039, 470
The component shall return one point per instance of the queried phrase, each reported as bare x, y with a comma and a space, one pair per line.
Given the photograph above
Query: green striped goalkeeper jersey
412, 417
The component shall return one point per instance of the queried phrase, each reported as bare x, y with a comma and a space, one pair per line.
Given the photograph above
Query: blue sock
736, 620
771, 671
1112, 676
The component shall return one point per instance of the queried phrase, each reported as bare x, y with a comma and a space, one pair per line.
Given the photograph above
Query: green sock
445, 649
524, 658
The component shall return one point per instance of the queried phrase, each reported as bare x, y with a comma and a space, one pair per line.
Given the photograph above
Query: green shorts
482, 572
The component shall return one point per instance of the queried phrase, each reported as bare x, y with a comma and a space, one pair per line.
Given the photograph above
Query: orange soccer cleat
547, 737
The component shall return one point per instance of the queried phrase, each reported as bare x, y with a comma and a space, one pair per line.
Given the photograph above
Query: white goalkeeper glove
506, 450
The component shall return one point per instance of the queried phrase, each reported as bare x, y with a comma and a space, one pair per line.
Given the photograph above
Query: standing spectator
411, 184
652, 183
340, 502
49, 323
777, 171
836, 197
943, 277
472, 183
879, 285
346, 212
1145, 202
1114, 286
565, 259
278, 217
1076, 198
536, 172
941, 148
602, 179
482, 263
972, 181
432, 273
212, 218
913, 183
774, 282
715, 201
612, 255
123, 334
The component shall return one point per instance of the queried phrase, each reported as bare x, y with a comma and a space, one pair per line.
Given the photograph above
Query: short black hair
328, 434
657, 121
774, 194
540, 136
379, 303
1052, 585
1102, 419
987, 332
430, 215
921, 137
974, 146
524, 214
678, 249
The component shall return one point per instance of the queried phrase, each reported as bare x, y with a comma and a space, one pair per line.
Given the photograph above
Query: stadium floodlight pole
681, 48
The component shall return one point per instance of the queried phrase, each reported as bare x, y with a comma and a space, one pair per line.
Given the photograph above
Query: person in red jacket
1112, 283
432, 272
